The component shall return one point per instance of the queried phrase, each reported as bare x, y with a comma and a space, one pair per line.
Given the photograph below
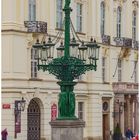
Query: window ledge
81, 81
35, 79
105, 82
81, 33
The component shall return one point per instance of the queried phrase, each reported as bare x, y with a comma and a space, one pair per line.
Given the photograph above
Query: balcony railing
123, 41
125, 87
135, 44
36, 26
106, 39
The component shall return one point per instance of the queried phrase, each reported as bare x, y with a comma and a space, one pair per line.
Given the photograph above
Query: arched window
59, 14
134, 25
32, 10
102, 23
119, 22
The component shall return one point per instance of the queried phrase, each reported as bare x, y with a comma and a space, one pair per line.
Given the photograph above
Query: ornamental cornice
125, 87
120, 1
80, 1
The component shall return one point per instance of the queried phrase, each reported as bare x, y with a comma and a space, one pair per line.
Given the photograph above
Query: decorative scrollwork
106, 39
36, 26
123, 41
67, 69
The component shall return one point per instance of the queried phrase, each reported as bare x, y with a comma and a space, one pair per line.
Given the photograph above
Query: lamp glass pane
43, 54
19, 106
60, 53
73, 51
97, 53
36, 56
92, 52
50, 52
82, 54
22, 106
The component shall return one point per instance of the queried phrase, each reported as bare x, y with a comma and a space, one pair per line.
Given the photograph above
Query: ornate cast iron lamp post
71, 62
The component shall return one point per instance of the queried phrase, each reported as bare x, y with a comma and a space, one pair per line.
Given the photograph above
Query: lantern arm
67, 69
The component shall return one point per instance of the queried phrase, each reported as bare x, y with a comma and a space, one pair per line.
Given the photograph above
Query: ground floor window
81, 110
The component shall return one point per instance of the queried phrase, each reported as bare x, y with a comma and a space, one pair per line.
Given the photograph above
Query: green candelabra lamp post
72, 61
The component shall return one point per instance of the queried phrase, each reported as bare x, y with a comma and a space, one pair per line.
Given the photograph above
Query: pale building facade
103, 97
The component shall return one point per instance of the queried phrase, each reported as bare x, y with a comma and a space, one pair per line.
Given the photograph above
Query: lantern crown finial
91, 39
37, 41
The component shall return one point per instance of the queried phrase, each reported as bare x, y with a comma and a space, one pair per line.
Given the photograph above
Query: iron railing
36, 26
106, 39
123, 41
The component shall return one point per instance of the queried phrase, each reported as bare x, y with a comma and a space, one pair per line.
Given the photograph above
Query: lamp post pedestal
67, 129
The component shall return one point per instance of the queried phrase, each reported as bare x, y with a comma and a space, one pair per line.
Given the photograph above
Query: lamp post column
67, 11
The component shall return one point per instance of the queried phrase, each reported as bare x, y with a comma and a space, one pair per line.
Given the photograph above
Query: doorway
33, 121
106, 129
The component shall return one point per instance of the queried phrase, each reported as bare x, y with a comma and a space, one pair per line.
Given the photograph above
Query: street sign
6, 106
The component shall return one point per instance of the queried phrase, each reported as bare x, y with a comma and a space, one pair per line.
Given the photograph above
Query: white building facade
103, 97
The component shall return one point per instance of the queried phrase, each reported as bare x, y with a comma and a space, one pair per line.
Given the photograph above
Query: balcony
125, 87
135, 44
36, 26
106, 39
123, 42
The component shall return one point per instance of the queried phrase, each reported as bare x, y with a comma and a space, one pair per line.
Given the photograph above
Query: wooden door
106, 130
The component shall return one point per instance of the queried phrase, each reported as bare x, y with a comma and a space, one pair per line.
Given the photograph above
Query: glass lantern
50, 48
97, 52
82, 52
73, 48
93, 51
38, 48
44, 53
60, 50
22, 104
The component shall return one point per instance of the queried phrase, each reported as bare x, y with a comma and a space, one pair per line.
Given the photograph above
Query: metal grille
33, 121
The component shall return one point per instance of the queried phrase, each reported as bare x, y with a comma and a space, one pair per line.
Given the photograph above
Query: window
103, 69
79, 17
119, 22
102, 24
134, 26
119, 70
81, 110
32, 10
135, 72
33, 63
59, 14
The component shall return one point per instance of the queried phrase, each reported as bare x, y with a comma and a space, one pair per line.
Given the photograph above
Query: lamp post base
67, 129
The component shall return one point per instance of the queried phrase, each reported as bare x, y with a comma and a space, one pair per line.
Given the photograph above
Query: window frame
135, 72
59, 11
79, 17
32, 10
103, 69
134, 25
119, 16
102, 22
34, 69
119, 70
81, 110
